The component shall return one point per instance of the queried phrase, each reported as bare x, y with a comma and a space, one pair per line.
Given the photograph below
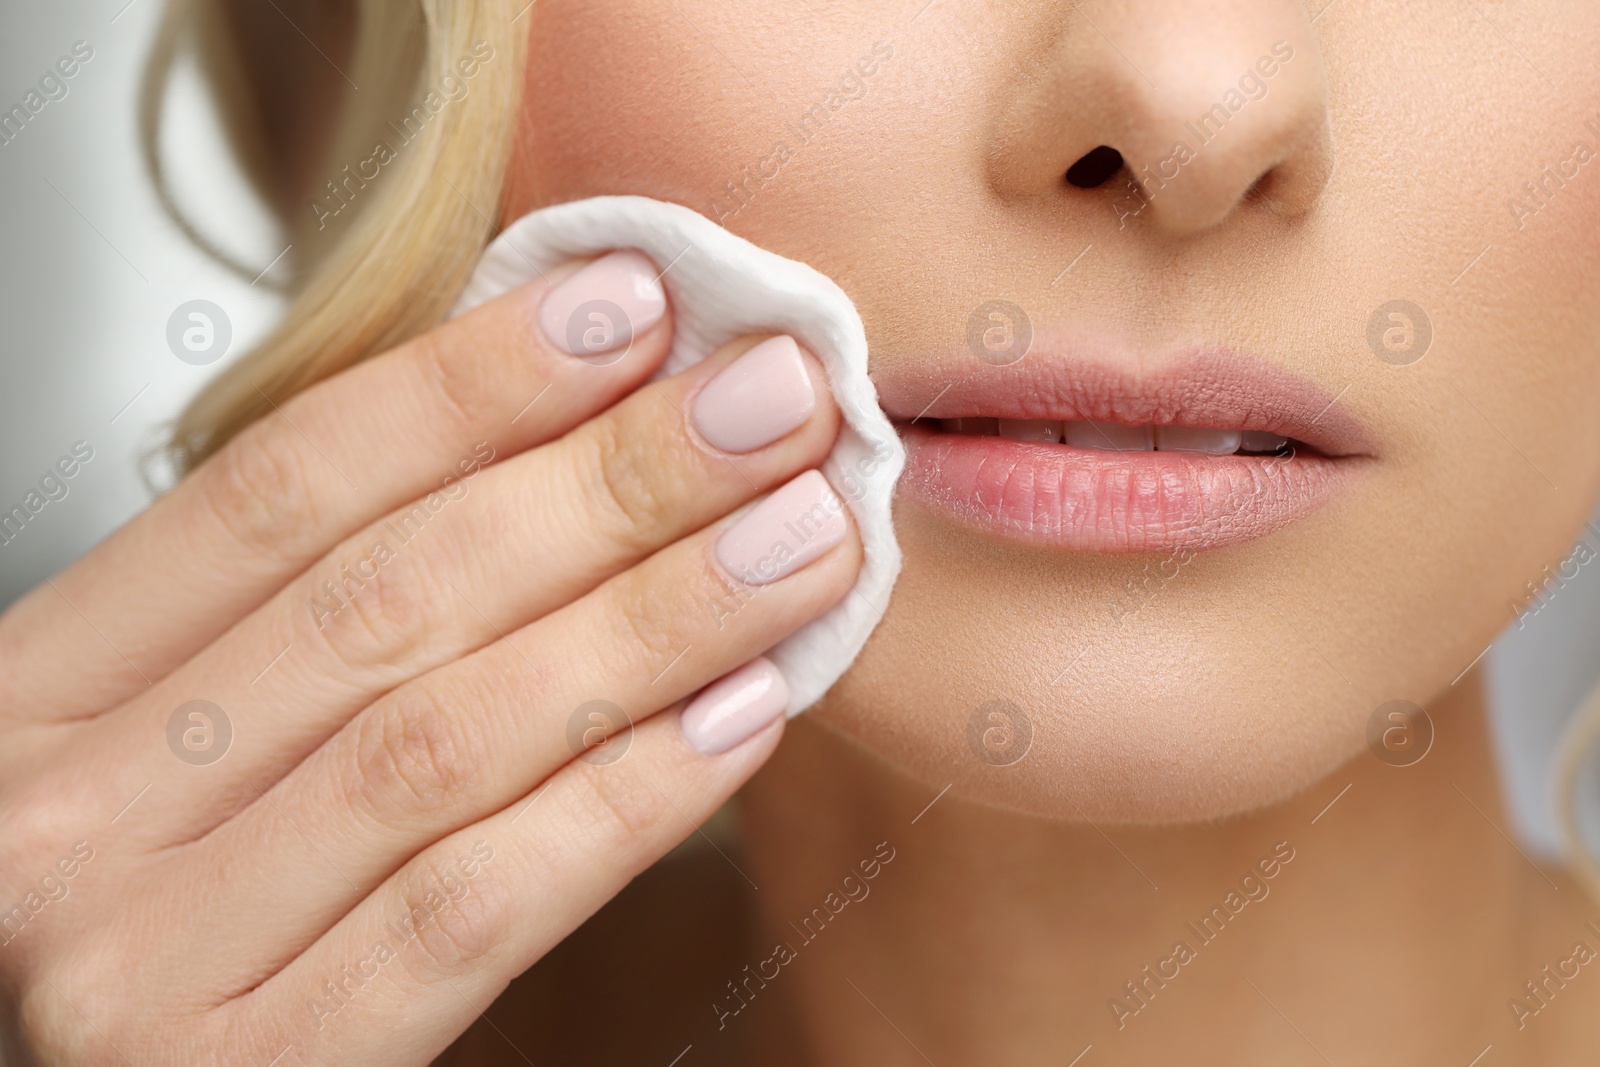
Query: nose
1209, 108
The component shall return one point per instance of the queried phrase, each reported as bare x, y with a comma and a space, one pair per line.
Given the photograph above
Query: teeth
975, 427
1113, 437
1261, 441
1197, 439
1031, 430
1109, 436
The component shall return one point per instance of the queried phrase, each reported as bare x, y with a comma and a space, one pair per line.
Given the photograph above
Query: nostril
1263, 188
1095, 168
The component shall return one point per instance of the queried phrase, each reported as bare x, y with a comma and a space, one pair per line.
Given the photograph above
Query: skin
932, 209
1221, 717
1220, 720
407, 754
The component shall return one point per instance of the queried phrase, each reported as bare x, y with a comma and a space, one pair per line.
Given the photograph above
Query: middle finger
434, 582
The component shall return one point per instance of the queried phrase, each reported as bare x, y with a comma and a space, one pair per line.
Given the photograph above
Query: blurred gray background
91, 268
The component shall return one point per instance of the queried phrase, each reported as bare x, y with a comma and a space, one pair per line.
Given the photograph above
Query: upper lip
1219, 388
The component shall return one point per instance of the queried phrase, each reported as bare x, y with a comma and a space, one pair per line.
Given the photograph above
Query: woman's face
1187, 634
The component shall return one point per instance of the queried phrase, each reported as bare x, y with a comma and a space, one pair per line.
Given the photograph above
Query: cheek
1493, 439
1447, 195
681, 101
624, 123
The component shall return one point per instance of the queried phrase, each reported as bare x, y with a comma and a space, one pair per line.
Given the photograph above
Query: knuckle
105, 1025
261, 492
35, 822
650, 618
44, 1026
459, 381
456, 923
412, 757
636, 506
56, 1030
27, 825
374, 613
626, 806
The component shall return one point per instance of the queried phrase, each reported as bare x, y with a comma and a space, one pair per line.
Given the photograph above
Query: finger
455, 745
450, 941
319, 466
427, 586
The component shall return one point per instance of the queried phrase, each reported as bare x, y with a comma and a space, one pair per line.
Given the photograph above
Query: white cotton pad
723, 287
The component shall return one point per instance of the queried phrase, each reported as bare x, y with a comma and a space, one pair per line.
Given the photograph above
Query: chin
1152, 756
999, 671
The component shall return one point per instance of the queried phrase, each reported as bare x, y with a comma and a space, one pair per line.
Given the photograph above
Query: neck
1326, 925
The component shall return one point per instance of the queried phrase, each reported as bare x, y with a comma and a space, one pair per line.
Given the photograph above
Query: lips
1212, 449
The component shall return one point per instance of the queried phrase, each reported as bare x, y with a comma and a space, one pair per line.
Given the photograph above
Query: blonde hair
389, 262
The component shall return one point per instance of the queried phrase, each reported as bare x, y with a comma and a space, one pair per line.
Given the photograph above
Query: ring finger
462, 742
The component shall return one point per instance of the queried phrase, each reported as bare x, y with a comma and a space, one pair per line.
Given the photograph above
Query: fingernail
603, 306
758, 398
735, 706
784, 532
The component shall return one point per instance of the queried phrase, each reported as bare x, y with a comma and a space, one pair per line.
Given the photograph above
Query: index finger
324, 463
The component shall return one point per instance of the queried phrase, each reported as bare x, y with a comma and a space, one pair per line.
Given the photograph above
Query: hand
299, 766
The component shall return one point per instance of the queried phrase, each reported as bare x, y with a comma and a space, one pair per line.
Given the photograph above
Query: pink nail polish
783, 533
735, 706
760, 397
605, 305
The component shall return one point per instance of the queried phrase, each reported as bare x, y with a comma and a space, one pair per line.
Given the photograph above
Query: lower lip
1102, 501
